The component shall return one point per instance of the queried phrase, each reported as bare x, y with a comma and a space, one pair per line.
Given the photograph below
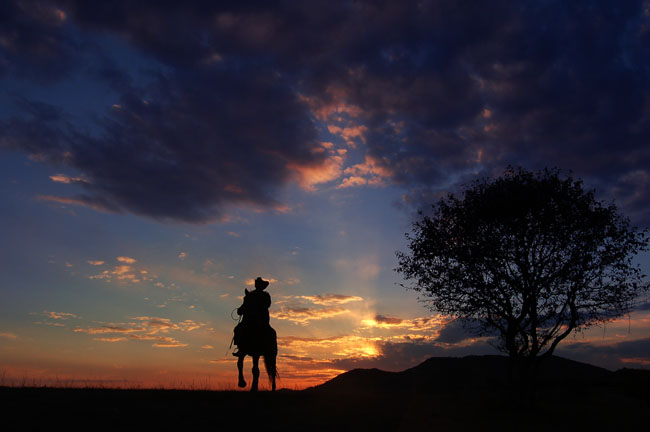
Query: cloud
169, 344
110, 339
59, 315
326, 348
124, 273
8, 335
62, 178
302, 315
329, 169
398, 356
368, 173
182, 256
349, 134
193, 153
633, 353
643, 306
428, 106
342, 353
125, 259
421, 324
300, 309
331, 299
95, 262
79, 200
110, 328
34, 43
144, 328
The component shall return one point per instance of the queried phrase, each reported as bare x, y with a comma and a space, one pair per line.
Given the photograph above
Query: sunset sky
156, 157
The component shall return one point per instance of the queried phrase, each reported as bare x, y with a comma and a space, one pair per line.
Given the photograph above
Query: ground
440, 394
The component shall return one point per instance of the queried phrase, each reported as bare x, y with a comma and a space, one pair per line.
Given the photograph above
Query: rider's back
255, 309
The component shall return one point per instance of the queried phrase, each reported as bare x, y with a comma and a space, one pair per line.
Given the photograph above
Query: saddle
254, 339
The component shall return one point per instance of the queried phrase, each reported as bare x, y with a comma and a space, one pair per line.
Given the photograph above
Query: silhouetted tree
528, 256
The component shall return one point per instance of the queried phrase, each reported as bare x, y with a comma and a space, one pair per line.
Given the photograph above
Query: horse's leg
240, 367
273, 373
256, 372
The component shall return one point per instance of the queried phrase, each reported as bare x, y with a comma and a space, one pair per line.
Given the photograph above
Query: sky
156, 157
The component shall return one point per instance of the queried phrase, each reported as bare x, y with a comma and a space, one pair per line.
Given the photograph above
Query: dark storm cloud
643, 306
461, 329
33, 42
635, 353
183, 149
183, 145
446, 90
455, 331
541, 83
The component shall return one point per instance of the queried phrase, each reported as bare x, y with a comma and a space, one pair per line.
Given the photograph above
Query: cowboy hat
261, 283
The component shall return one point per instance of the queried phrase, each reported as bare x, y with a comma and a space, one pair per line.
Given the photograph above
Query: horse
258, 342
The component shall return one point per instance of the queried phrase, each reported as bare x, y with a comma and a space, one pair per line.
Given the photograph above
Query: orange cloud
369, 173
349, 133
334, 108
110, 328
302, 315
311, 175
636, 360
434, 323
126, 259
62, 178
331, 168
95, 262
74, 201
352, 181
299, 309
60, 315
331, 299
174, 344
323, 349
124, 273
110, 339
145, 329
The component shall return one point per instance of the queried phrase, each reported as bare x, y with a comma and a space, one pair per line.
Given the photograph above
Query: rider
254, 311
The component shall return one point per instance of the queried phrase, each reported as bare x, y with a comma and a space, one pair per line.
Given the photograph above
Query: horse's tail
271, 368
270, 356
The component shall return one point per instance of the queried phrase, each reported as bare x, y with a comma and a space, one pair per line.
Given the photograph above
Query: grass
442, 399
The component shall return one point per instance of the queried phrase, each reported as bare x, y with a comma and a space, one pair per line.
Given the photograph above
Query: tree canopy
529, 256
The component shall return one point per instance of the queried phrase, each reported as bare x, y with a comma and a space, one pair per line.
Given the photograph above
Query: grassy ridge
440, 394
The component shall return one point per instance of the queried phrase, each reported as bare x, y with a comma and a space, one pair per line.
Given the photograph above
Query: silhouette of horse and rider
254, 335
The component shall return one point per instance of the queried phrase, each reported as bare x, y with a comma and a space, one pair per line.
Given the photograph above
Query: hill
471, 373
439, 394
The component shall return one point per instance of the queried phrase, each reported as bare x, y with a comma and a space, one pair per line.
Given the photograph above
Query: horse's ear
245, 292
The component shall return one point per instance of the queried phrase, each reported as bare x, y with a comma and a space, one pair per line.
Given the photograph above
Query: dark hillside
472, 373
440, 394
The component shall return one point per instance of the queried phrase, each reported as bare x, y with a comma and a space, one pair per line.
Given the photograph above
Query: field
440, 394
